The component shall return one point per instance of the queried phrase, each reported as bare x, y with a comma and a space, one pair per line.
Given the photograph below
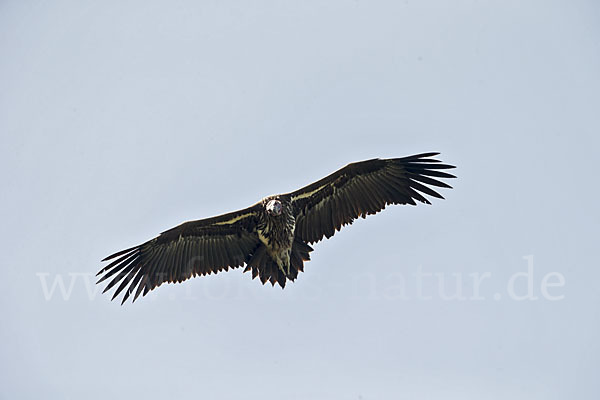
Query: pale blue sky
119, 120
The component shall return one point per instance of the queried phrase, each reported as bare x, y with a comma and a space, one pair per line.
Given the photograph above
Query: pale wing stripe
308, 194
234, 219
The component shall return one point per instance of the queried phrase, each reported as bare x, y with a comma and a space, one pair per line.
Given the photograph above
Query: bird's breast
277, 232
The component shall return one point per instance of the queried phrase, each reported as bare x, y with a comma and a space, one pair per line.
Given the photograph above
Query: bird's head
274, 207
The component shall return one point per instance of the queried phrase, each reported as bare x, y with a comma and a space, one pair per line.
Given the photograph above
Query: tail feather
262, 265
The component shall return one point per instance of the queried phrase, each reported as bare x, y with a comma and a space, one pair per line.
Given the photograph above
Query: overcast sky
119, 120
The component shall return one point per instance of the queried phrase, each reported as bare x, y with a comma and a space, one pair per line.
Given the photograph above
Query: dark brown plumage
272, 237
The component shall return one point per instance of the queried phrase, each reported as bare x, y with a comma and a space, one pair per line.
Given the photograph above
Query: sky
119, 120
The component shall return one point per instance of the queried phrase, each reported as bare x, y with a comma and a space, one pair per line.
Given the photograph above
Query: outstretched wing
364, 188
193, 248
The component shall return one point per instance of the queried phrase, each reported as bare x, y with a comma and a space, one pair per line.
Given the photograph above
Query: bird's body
276, 231
272, 237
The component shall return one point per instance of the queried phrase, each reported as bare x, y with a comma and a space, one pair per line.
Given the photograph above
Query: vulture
272, 238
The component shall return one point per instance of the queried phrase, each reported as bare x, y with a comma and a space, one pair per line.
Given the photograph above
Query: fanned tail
262, 265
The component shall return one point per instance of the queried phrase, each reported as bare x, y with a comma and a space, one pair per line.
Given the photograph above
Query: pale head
274, 207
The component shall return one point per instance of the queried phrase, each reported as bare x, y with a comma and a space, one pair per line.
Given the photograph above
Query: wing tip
119, 253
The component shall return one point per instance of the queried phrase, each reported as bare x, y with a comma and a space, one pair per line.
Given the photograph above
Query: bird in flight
272, 238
